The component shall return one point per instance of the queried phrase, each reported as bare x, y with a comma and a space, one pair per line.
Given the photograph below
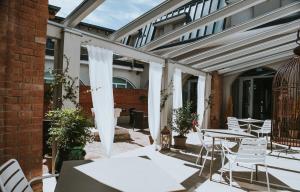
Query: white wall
131, 76
84, 74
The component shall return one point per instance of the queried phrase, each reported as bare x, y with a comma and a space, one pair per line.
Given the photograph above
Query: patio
180, 164
85, 107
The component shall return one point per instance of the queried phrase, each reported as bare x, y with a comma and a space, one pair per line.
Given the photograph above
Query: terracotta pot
179, 142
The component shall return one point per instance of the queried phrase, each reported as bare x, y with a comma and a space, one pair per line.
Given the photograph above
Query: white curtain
155, 76
100, 71
201, 100
177, 89
177, 93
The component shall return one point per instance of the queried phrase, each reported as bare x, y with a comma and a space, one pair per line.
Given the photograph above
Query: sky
112, 14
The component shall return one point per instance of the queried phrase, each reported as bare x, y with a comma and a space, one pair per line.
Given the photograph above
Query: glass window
50, 47
206, 8
122, 83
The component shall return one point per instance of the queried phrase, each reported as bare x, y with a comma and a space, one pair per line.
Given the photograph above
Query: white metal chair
207, 145
12, 178
233, 124
252, 151
265, 130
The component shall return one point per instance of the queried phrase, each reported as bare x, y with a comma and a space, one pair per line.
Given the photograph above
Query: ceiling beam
118, 48
187, 69
281, 29
252, 57
259, 62
54, 30
153, 14
81, 11
268, 17
201, 22
218, 61
285, 57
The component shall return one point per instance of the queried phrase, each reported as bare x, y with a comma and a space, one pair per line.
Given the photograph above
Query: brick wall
22, 47
124, 98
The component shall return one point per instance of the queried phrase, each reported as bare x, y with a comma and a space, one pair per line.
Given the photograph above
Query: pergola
233, 50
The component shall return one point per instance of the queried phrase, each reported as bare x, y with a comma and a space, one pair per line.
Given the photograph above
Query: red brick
21, 82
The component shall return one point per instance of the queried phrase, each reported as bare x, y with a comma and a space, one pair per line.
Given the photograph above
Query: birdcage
286, 104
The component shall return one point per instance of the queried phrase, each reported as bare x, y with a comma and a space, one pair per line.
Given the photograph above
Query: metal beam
252, 57
271, 16
127, 51
81, 11
282, 29
54, 30
187, 69
259, 62
283, 57
153, 14
215, 16
217, 61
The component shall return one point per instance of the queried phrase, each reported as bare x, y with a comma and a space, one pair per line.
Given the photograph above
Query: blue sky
112, 13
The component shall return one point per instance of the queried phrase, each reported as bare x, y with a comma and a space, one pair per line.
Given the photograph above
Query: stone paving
138, 139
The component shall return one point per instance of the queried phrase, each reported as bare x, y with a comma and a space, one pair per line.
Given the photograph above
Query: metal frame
271, 16
148, 17
217, 61
202, 22
252, 57
284, 28
257, 63
81, 11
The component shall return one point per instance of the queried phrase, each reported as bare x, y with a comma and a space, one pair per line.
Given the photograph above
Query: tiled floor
284, 172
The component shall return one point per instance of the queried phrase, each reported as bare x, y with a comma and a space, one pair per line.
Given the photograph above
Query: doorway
252, 93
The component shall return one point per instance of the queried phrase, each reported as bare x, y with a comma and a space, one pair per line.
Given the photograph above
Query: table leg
256, 172
212, 158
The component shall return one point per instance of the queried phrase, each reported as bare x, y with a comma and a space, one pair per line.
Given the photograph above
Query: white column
70, 48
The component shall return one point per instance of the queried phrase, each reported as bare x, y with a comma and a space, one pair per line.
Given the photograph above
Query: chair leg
222, 169
267, 177
251, 180
200, 154
206, 155
230, 174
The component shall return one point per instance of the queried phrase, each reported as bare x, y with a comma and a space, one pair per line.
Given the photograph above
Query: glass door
246, 98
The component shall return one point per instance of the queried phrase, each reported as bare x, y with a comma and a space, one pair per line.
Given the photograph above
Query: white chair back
233, 123
201, 137
266, 127
12, 178
252, 151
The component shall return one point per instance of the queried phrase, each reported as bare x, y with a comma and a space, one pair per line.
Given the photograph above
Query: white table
249, 122
223, 134
134, 174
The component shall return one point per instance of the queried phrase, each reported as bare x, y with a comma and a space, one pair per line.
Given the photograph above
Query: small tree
184, 120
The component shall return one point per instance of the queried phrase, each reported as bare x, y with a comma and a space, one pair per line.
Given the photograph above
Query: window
122, 83
49, 47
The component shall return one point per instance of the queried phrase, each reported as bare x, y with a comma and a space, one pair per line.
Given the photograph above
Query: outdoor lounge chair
12, 178
251, 152
265, 130
233, 124
206, 143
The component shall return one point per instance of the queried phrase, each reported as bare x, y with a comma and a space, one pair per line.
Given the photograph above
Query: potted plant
183, 122
70, 131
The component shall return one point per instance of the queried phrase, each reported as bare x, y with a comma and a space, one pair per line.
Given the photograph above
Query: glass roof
111, 14
67, 6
